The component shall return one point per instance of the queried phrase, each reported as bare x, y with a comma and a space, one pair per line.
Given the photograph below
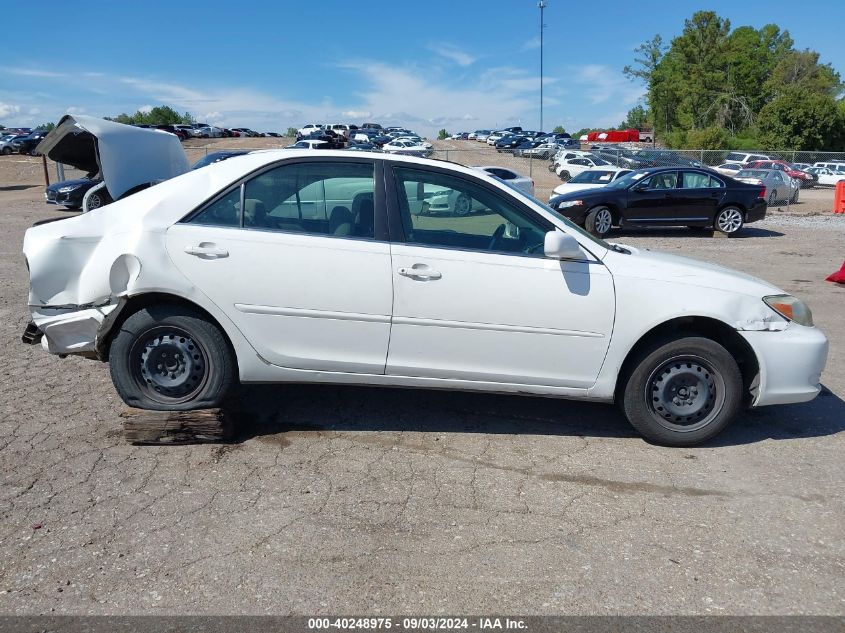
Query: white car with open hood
296, 266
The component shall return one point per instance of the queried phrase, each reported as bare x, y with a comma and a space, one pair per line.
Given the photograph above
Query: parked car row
368, 137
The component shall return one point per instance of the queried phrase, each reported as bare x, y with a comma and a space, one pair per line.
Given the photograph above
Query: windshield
752, 173
598, 176
627, 179
569, 223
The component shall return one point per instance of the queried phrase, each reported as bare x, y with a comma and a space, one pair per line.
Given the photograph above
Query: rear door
297, 258
696, 198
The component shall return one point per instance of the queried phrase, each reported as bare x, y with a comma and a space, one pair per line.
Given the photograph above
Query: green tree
713, 137
559, 129
802, 70
291, 132
799, 120
637, 119
46, 126
159, 115
443, 134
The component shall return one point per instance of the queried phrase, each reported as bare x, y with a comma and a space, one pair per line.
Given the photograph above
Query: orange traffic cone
838, 276
839, 197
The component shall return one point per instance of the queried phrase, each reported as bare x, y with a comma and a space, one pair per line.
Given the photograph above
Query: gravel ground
357, 500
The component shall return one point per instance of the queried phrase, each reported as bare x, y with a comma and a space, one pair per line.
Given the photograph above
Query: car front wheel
729, 221
171, 358
599, 221
683, 392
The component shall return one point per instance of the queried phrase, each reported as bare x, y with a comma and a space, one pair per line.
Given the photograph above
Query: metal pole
46, 173
542, 6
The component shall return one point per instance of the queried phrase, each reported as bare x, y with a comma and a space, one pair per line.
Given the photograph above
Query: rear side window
695, 180
318, 198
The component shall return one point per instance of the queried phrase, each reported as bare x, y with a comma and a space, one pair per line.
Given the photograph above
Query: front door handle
420, 271
206, 250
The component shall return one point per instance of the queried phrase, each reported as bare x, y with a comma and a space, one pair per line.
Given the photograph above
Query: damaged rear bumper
67, 329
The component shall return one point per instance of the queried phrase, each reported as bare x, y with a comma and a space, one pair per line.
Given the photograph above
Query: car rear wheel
794, 198
171, 358
7, 151
729, 221
683, 392
564, 175
773, 197
599, 221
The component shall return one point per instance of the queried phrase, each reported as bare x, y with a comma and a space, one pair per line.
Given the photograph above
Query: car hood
572, 188
125, 155
72, 183
643, 263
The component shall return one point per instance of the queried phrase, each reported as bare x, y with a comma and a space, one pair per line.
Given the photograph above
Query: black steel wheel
683, 392
171, 358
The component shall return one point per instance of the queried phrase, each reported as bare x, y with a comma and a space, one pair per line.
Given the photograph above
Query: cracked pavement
358, 500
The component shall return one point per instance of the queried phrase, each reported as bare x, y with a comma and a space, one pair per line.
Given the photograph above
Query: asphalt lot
354, 500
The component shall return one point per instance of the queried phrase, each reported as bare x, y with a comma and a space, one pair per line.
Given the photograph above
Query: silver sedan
779, 186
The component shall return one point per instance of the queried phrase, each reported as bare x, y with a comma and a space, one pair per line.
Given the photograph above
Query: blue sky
458, 64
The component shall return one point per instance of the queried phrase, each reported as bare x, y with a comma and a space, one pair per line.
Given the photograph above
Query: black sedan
697, 198
511, 142
69, 193
27, 144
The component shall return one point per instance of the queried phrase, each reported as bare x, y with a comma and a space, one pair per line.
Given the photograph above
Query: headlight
570, 203
790, 308
68, 188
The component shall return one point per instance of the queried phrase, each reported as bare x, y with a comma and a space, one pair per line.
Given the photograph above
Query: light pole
541, 5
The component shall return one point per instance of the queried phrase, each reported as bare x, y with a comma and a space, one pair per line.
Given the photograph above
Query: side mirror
640, 186
560, 245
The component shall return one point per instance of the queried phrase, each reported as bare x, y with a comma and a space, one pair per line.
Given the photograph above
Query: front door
474, 297
292, 257
653, 200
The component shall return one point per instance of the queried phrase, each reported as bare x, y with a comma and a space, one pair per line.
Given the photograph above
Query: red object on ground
839, 197
839, 276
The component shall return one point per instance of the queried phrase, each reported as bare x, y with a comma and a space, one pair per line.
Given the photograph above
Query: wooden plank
141, 426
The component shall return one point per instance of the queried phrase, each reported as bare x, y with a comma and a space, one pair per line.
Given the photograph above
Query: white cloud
32, 72
357, 114
532, 44
145, 109
75, 110
34, 111
452, 53
603, 84
8, 110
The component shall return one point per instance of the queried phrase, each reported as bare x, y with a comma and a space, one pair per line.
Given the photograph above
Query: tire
463, 205
96, 200
564, 175
729, 220
552, 167
599, 221
158, 337
773, 197
704, 384
7, 151
794, 198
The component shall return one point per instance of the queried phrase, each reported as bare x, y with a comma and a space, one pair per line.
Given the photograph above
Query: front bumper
69, 330
791, 363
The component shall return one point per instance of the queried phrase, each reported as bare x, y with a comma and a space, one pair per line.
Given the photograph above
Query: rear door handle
207, 250
420, 271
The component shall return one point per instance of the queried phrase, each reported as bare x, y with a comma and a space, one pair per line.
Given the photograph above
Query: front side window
449, 212
225, 211
665, 180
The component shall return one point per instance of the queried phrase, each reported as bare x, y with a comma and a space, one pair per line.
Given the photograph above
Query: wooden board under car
141, 426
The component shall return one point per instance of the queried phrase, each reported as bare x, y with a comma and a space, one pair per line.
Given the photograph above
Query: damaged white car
286, 266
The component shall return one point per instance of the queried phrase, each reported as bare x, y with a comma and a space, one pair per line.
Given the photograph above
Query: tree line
715, 87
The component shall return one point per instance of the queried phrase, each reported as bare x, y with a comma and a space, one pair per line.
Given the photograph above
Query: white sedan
729, 169
590, 179
276, 267
828, 177
570, 167
408, 148
510, 177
